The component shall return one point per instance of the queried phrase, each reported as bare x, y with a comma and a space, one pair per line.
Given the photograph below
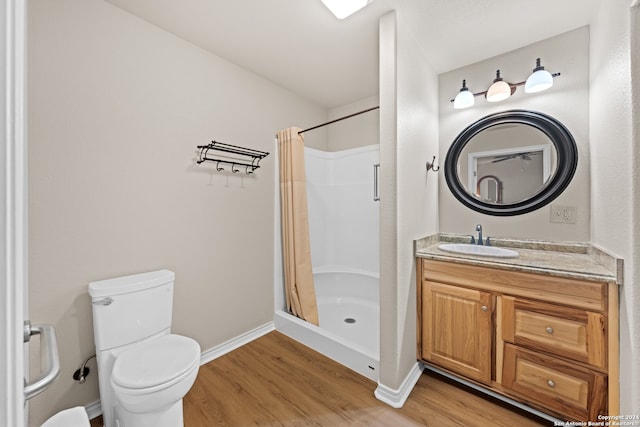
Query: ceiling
301, 46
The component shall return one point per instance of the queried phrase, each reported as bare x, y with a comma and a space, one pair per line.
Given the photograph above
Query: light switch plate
564, 214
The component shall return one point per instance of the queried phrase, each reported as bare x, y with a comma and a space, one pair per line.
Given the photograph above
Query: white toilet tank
132, 308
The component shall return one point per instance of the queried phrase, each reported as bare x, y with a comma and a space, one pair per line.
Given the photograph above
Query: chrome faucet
479, 230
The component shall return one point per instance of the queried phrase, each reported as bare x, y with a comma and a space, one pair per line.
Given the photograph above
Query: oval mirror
511, 163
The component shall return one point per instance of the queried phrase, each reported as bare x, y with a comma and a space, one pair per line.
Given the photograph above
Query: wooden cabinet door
457, 330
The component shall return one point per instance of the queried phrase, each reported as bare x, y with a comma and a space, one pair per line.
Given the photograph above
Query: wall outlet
564, 214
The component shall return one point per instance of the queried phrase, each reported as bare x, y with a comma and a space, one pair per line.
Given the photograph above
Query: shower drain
350, 320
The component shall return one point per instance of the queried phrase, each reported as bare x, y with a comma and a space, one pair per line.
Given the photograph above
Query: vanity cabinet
547, 341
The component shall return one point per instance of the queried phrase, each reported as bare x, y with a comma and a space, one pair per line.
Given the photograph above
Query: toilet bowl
144, 370
74, 417
156, 375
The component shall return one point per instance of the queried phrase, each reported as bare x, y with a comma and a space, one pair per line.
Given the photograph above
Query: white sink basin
468, 249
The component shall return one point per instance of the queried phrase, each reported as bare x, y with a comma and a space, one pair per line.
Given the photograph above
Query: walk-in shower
344, 233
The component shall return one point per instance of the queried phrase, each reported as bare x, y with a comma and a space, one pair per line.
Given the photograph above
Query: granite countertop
583, 261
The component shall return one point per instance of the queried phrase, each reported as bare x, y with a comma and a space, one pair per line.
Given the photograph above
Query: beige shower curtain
298, 278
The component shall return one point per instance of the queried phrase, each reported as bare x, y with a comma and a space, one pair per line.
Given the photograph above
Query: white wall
117, 107
409, 196
567, 101
615, 150
357, 131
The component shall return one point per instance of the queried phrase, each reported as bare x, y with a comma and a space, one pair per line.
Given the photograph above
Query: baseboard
95, 409
239, 341
396, 398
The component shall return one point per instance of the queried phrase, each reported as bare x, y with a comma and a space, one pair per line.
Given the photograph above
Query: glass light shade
499, 91
463, 99
538, 81
343, 8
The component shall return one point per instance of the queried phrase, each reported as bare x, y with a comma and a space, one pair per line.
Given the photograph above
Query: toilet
74, 417
144, 370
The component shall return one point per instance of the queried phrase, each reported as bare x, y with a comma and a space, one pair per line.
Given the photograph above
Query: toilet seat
157, 363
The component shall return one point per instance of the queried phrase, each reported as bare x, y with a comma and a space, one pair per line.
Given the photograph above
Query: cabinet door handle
549, 329
551, 384
484, 308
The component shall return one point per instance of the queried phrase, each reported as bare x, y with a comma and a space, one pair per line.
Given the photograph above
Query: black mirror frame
567, 160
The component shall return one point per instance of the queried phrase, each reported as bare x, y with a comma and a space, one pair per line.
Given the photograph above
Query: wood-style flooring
276, 381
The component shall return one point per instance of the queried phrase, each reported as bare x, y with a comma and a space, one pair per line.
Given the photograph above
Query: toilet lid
156, 362
74, 417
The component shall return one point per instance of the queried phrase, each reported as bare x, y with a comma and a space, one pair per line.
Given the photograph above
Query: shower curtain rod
339, 119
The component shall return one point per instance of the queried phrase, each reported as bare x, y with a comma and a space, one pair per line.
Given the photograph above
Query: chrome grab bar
47, 340
376, 196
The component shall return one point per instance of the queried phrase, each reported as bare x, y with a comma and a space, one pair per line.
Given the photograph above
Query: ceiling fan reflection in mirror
523, 156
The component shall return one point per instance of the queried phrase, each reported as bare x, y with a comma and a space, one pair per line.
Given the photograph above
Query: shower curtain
298, 277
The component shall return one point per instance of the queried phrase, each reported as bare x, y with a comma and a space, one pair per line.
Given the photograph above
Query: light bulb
499, 90
539, 80
464, 98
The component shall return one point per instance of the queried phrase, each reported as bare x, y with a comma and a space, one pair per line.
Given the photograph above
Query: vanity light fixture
499, 90
539, 80
343, 8
464, 98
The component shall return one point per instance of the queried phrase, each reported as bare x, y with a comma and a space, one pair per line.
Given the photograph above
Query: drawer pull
484, 308
551, 384
549, 329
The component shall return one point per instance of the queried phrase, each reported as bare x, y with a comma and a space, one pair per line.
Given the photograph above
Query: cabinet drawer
573, 333
572, 391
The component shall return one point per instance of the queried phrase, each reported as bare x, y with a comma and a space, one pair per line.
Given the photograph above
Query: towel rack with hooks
238, 157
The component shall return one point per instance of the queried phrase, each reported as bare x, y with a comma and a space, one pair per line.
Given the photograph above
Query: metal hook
233, 169
218, 168
246, 169
432, 165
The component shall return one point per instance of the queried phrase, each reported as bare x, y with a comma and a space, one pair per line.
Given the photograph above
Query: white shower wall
343, 217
